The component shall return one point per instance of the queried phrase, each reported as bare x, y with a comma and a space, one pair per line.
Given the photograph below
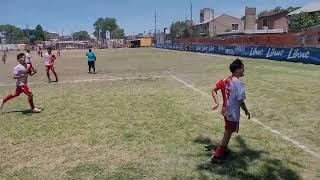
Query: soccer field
146, 115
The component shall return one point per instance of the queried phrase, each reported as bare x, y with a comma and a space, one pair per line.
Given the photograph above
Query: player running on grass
58, 52
49, 59
28, 60
20, 73
4, 56
233, 93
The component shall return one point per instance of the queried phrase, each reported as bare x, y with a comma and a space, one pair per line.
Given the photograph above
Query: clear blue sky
133, 15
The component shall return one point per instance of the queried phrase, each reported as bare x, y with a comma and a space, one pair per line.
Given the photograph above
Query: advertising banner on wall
298, 54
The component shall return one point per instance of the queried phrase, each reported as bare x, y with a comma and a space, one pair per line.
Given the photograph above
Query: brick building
273, 20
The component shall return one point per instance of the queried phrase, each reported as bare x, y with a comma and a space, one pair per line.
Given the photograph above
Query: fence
305, 39
309, 55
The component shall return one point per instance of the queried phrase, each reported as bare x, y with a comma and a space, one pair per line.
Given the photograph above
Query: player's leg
54, 73
10, 96
89, 65
94, 67
28, 92
219, 151
48, 74
230, 128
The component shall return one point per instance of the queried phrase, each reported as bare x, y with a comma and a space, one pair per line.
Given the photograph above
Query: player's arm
15, 76
214, 93
244, 108
33, 72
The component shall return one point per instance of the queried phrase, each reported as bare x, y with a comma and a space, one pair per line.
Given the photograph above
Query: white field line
94, 79
296, 143
230, 57
123, 54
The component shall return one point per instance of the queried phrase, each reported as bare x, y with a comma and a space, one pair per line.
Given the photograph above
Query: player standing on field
233, 93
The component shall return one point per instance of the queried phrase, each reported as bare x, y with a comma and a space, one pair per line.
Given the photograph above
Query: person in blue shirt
91, 61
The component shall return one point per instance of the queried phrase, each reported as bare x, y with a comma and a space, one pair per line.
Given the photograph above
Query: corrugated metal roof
204, 22
311, 7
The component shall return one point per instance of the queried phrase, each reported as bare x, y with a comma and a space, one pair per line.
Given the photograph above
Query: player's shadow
236, 164
25, 112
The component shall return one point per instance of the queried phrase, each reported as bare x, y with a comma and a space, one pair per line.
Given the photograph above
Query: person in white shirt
20, 73
232, 89
29, 61
49, 59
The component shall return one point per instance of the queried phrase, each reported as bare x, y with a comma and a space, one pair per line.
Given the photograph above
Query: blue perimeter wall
299, 54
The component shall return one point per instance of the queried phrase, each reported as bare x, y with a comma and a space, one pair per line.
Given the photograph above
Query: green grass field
146, 115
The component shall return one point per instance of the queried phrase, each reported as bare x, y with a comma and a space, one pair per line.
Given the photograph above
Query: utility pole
155, 23
27, 29
98, 34
191, 18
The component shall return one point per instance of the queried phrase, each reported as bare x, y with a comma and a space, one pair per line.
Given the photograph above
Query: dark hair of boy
19, 56
237, 64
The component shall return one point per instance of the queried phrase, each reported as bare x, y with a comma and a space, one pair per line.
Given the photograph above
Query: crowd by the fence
308, 55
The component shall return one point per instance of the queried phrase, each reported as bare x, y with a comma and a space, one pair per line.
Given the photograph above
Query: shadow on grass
236, 164
25, 112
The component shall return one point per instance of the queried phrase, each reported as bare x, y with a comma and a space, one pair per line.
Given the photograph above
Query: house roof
229, 16
310, 7
205, 22
268, 14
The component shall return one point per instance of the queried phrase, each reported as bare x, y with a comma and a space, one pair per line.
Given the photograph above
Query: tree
102, 25
118, 34
290, 9
98, 27
299, 22
184, 29
81, 36
179, 29
276, 9
30, 34
40, 35
13, 34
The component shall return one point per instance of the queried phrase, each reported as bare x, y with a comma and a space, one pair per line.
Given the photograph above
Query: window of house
235, 27
264, 22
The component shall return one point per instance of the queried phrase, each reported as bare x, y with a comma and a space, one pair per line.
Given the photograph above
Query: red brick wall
307, 38
281, 23
278, 21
